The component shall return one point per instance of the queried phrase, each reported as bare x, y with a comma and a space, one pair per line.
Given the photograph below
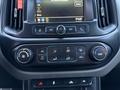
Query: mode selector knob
100, 52
61, 30
24, 56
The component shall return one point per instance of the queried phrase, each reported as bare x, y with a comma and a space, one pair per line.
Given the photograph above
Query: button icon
71, 82
78, 3
55, 59
38, 30
23, 56
81, 30
42, 19
81, 49
54, 82
42, 51
39, 84
68, 58
41, 57
84, 81
81, 57
68, 50
54, 51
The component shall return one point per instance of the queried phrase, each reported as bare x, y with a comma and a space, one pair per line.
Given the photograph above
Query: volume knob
61, 30
24, 56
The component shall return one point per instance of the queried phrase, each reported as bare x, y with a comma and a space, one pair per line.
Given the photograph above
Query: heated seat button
53, 54
69, 53
63, 53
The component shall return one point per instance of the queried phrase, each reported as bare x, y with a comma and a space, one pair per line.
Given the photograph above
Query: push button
68, 49
38, 30
53, 59
100, 53
68, 58
50, 30
61, 30
69, 53
42, 51
52, 50
86, 82
71, 29
41, 55
81, 56
82, 29
81, 53
53, 54
81, 49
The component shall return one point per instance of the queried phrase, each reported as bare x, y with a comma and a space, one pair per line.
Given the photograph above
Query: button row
55, 54
60, 30
85, 82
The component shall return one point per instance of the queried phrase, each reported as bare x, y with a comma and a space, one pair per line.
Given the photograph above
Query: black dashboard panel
60, 49
6, 79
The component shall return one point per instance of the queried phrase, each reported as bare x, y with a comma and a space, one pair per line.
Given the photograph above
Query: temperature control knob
61, 30
24, 55
100, 52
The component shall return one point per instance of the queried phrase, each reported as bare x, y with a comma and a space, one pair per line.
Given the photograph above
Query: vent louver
15, 14
105, 13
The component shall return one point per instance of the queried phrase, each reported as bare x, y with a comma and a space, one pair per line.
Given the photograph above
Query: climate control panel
79, 53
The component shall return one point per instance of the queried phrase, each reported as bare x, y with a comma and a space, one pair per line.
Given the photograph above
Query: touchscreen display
59, 11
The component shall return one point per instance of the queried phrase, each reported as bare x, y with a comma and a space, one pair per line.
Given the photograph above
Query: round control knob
100, 53
61, 30
24, 55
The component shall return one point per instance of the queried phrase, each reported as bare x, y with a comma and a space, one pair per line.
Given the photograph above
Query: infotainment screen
59, 11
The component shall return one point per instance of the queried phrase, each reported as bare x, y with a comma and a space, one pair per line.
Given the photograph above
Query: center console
46, 39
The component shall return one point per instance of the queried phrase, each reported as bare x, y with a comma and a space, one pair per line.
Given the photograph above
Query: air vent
14, 14
105, 13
